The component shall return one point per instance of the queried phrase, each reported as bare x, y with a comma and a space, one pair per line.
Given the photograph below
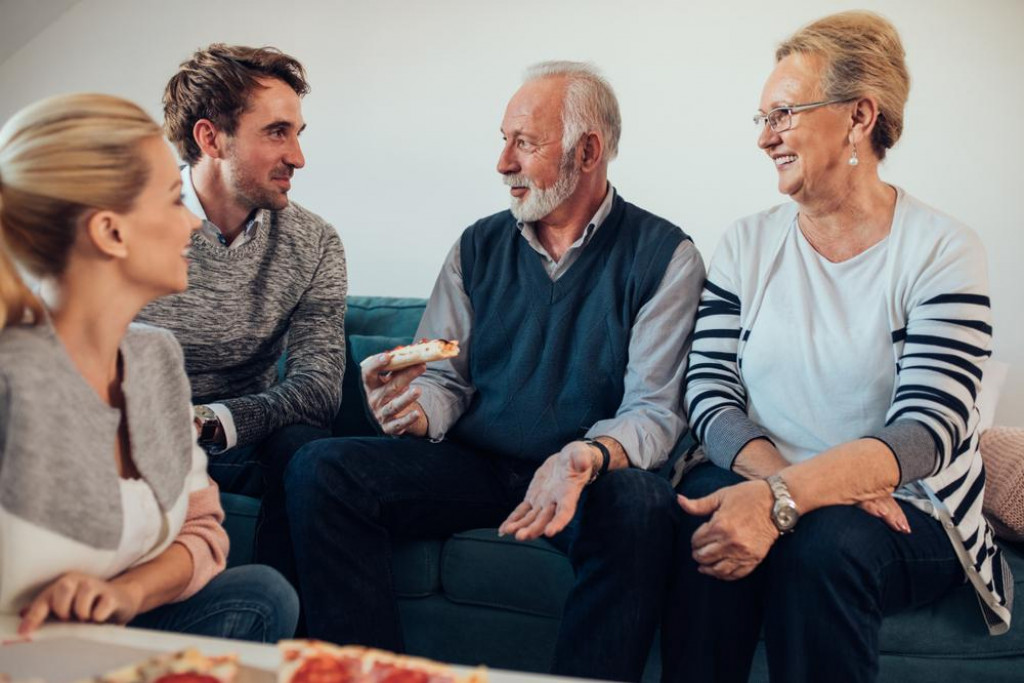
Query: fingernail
382, 357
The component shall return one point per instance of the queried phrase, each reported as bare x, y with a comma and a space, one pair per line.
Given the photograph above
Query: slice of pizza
424, 351
313, 661
187, 666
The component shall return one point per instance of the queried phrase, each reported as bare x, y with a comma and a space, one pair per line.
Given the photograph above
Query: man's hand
554, 493
740, 532
889, 511
83, 598
392, 401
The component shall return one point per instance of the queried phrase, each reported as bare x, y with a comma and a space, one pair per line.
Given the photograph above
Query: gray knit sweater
283, 290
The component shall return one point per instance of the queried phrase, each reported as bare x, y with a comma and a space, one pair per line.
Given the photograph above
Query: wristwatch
784, 512
207, 422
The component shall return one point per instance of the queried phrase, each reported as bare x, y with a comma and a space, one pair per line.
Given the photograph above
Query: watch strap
606, 457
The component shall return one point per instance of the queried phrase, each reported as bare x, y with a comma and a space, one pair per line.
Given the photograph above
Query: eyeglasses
781, 118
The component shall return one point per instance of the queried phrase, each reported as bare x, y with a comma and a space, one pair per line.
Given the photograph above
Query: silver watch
784, 512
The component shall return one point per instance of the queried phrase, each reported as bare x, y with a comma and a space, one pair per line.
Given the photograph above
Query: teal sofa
476, 598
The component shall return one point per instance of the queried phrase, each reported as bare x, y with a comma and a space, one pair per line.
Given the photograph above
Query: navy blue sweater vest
548, 359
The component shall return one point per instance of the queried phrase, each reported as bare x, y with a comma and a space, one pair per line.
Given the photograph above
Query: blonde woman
838, 352
106, 510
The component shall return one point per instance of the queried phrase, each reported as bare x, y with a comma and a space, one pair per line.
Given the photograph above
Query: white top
933, 290
143, 524
846, 354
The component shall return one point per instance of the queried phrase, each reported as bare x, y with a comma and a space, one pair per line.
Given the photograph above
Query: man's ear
592, 151
209, 138
105, 231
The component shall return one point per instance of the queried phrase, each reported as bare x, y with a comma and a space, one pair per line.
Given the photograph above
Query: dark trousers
820, 594
348, 497
257, 470
622, 555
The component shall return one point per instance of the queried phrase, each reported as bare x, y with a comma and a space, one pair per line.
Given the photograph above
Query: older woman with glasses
838, 352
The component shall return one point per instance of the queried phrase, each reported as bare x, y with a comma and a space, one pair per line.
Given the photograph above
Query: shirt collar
209, 230
529, 232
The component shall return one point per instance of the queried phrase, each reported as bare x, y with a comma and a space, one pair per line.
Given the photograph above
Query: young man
266, 276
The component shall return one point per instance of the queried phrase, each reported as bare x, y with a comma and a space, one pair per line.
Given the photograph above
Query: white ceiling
22, 20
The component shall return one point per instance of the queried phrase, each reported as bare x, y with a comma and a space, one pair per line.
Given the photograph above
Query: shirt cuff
227, 423
440, 413
625, 437
912, 444
727, 434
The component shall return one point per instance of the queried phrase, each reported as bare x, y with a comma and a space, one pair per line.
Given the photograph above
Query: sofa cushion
240, 513
480, 568
954, 627
417, 567
383, 315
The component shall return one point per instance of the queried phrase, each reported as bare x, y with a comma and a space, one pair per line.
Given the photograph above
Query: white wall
408, 96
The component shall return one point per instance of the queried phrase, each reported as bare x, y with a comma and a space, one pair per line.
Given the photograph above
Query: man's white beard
538, 202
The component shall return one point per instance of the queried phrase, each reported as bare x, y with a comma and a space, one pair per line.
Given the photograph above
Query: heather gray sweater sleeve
310, 392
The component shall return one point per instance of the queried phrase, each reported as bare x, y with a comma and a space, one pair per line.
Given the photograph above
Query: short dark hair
215, 84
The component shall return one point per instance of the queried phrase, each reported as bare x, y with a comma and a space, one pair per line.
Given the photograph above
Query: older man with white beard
574, 312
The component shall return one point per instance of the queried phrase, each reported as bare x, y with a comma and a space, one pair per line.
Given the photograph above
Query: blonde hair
863, 55
61, 158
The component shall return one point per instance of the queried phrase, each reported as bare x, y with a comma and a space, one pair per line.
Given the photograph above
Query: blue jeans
820, 594
622, 556
347, 498
257, 470
252, 602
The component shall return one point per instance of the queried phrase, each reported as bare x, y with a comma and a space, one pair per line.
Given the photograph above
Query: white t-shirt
817, 385
143, 523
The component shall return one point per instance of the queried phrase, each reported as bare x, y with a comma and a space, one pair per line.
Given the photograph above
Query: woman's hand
740, 532
83, 598
888, 510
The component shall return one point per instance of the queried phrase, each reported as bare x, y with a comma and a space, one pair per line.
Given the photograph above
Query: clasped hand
740, 532
392, 401
553, 495
81, 597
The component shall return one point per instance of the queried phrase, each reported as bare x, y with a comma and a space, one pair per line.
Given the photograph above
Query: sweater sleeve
202, 534
946, 341
715, 397
310, 392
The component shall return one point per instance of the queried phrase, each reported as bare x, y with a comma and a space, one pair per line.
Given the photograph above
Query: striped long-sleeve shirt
935, 288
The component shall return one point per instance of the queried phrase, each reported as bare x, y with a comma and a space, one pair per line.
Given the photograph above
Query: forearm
619, 458
759, 459
847, 474
312, 400
160, 580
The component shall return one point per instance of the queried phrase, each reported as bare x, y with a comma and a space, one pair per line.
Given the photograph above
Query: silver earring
853, 157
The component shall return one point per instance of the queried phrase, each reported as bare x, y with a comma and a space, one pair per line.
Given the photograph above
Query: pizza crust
425, 351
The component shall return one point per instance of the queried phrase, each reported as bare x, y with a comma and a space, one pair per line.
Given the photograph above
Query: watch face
204, 413
784, 515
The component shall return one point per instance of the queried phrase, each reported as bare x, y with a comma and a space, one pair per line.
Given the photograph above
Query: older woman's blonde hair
863, 56
61, 158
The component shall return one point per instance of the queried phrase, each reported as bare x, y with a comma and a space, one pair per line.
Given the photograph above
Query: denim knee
827, 547
628, 502
267, 597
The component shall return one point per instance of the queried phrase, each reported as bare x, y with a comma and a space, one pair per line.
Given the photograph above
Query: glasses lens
779, 120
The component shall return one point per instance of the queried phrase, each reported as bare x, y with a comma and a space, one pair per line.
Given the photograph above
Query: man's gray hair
590, 103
